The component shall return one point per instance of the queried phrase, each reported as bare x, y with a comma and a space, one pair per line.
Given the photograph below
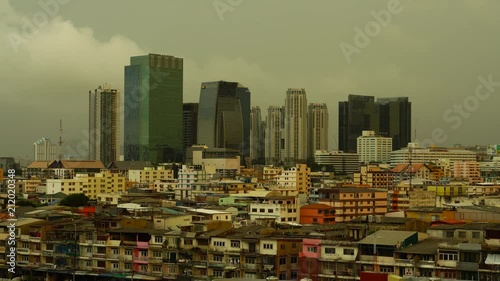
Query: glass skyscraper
390, 117
220, 115
153, 108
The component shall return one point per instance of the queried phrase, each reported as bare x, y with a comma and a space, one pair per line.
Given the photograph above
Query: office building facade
389, 117
153, 109
220, 115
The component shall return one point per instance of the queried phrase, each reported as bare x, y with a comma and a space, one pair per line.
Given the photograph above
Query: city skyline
421, 64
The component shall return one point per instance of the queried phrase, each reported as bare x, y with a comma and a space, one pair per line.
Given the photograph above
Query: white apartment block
45, 150
275, 144
296, 130
283, 209
431, 154
189, 175
318, 128
373, 148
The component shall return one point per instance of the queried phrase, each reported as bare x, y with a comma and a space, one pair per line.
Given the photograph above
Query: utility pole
74, 255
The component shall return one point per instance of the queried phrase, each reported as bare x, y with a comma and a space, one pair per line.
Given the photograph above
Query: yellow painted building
150, 174
448, 190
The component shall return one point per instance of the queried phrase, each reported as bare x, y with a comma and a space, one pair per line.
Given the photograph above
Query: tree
75, 200
25, 203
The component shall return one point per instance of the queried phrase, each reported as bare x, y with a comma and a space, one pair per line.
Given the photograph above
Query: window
254, 210
188, 241
283, 276
282, 260
448, 234
293, 259
217, 273
329, 250
218, 258
312, 249
219, 243
128, 252
250, 260
157, 268
448, 256
114, 265
349, 252
268, 246
270, 211
476, 234
115, 252
262, 210
157, 254
461, 234
283, 246
235, 244
158, 239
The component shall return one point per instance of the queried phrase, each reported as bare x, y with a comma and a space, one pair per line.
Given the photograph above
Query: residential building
377, 250
188, 175
149, 175
45, 150
153, 85
298, 178
469, 170
431, 154
317, 214
296, 130
226, 161
275, 135
342, 163
352, 202
318, 128
280, 209
374, 149
104, 104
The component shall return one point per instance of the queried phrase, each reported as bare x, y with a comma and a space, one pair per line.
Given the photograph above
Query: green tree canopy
75, 200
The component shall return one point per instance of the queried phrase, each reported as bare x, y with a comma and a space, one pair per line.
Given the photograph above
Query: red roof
448, 222
405, 167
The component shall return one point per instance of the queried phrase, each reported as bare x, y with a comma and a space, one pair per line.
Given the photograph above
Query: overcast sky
431, 51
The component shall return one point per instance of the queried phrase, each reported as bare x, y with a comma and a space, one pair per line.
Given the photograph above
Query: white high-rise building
318, 128
104, 131
274, 144
296, 126
45, 150
373, 148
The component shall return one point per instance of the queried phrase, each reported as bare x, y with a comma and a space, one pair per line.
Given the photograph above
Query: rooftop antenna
60, 140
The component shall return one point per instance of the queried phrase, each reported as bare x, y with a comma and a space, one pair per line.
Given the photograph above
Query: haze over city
435, 53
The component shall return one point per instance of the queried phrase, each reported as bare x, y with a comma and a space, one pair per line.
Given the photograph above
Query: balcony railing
141, 258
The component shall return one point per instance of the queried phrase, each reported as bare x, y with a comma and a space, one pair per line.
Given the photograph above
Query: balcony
99, 255
169, 261
141, 259
113, 257
250, 266
47, 253
100, 243
216, 264
403, 262
200, 264
468, 266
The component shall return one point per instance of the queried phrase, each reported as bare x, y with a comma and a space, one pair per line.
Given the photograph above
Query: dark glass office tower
357, 114
389, 117
189, 126
395, 120
220, 118
153, 108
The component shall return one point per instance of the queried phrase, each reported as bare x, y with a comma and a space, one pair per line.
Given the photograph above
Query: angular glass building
153, 109
389, 117
220, 115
